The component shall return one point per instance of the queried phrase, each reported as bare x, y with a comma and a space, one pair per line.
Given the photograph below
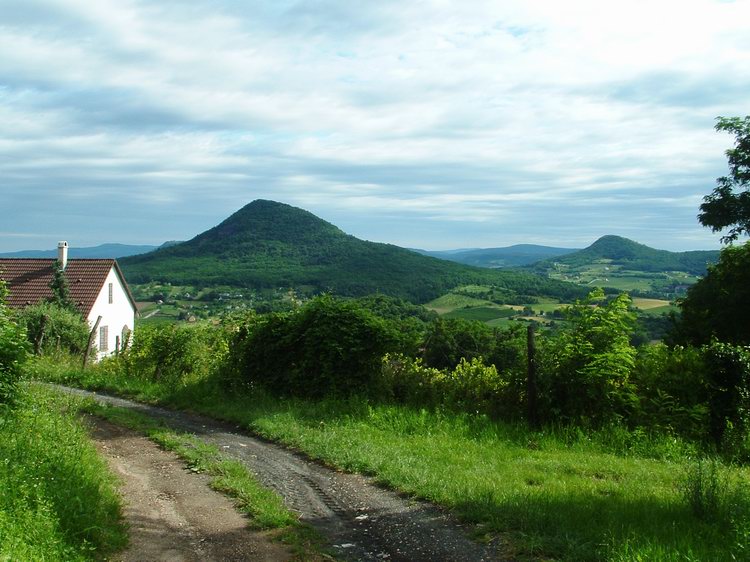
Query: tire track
361, 520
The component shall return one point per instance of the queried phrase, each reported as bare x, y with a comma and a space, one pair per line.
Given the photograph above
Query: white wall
115, 316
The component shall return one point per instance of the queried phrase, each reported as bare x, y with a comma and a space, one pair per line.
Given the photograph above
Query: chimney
62, 253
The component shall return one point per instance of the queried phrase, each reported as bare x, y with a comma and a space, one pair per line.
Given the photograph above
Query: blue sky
435, 124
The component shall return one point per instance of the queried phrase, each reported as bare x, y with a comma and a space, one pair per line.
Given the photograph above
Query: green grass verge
562, 493
264, 507
58, 501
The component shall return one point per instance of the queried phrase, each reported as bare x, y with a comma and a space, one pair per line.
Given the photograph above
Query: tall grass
564, 492
57, 499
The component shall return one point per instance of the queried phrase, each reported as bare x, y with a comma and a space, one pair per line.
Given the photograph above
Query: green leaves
728, 206
588, 370
13, 351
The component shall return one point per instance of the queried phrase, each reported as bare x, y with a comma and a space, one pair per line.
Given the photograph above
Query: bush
174, 352
728, 378
672, 391
13, 351
327, 347
472, 386
51, 327
449, 340
586, 370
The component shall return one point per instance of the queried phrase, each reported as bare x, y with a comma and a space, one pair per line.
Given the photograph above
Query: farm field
460, 304
603, 273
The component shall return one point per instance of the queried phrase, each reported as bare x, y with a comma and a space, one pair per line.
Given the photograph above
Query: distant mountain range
115, 251
510, 256
272, 245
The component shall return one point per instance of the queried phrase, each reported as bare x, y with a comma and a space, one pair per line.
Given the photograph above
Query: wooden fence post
92, 335
532, 414
40, 335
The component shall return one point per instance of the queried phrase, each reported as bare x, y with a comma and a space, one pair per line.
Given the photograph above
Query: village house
97, 288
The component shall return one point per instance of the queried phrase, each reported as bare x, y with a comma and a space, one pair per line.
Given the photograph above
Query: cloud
472, 124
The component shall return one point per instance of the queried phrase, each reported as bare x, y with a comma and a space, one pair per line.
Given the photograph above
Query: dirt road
172, 513
362, 521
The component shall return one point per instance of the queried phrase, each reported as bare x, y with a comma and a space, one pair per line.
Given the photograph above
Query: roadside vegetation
628, 465
57, 499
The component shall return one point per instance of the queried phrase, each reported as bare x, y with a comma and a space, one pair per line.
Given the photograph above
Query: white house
97, 288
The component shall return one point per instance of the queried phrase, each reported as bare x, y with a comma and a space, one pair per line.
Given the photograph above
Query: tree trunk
92, 335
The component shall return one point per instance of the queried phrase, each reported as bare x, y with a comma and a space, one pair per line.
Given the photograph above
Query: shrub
472, 386
586, 370
52, 327
447, 341
672, 390
13, 351
728, 378
327, 347
173, 352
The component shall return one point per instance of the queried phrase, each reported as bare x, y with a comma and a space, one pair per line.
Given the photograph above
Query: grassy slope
268, 244
560, 493
57, 498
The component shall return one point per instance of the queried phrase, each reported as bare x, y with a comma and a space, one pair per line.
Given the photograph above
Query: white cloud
447, 111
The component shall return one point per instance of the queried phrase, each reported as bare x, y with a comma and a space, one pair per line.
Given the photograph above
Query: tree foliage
718, 306
589, 365
51, 327
327, 347
728, 206
13, 350
60, 289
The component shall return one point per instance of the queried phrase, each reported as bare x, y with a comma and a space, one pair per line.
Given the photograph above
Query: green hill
623, 265
269, 245
633, 256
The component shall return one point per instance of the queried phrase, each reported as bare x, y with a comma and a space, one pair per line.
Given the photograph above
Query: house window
104, 338
110, 293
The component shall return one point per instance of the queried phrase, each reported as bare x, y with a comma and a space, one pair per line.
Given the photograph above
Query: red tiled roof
28, 280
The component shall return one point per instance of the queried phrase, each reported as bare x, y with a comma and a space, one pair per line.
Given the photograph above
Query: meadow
562, 492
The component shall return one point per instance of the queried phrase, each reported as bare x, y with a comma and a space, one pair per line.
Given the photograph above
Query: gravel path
172, 514
361, 520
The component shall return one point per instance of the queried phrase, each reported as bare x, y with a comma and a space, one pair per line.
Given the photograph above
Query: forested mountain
633, 256
267, 244
509, 256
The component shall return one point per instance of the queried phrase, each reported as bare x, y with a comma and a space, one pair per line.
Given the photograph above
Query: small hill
272, 245
509, 256
630, 255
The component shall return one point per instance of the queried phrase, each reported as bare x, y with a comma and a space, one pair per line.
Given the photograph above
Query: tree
728, 206
60, 289
589, 367
718, 306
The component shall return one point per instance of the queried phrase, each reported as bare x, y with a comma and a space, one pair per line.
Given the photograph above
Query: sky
429, 124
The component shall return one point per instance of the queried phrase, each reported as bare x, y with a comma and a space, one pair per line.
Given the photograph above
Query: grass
648, 304
58, 501
481, 313
452, 301
264, 507
562, 493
